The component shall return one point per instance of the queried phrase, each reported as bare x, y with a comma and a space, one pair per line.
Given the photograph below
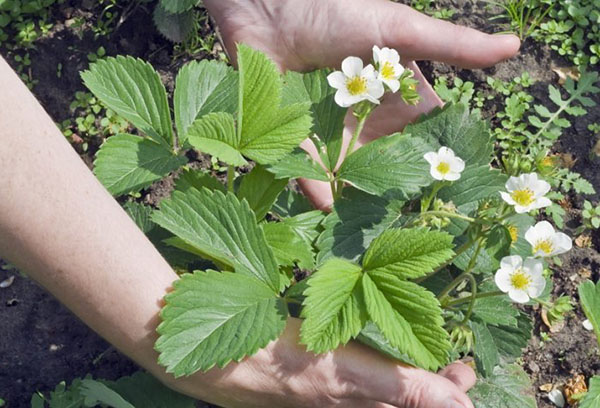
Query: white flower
526, 193
588, 325
545, 241
444, 164
355, 83
557, 398
387, 61
521, 280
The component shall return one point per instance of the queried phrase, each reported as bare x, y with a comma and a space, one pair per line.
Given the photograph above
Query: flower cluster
523, 279
356, 83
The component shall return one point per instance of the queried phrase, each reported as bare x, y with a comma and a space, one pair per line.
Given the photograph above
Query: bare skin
58, 224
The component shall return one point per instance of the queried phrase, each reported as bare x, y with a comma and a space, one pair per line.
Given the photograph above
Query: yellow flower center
523, 197
356, 85
520, 280
387, 71
514, 233
544, 245
443, 168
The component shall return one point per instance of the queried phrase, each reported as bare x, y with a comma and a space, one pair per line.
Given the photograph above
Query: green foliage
560, 307
261, 189
127, 163
592, 397
590, 215
589, 296
524, 16
174, 26
212, 318
429, 7
507, 387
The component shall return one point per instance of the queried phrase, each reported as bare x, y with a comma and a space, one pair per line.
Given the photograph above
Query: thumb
420, 37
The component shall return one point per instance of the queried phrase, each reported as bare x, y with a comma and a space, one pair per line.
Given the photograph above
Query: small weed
524, 16
428, 7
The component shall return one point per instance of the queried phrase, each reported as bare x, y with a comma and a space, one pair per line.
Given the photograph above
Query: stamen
523, 197
356, 85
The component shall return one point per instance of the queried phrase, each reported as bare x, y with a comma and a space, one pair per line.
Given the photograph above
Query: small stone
534, 367
12, 302
54, 347
7, 282
557, 398
546, 387
588, 325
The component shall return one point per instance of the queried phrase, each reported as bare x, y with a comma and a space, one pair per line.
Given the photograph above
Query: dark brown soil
41, 343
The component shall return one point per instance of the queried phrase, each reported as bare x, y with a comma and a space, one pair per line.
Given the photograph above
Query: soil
43, 343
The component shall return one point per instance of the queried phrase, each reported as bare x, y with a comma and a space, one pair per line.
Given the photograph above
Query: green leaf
201, 88
299, 164
96, 393
485, 351
589, 296
66, 397
408, 253
140, 214
221, 228
307, 225
372, 337
328, 116
476, 183
288, 247
174, 27
215, 134
178, 6
133, 89
495, 310
507, 387
409, 316
455, 127
143, 390
260, 189
334, 309
592, 398
291, 203
511, 341
126, 163
213, 318
355, 221
392, 162
197, 179
520, 223
267, 130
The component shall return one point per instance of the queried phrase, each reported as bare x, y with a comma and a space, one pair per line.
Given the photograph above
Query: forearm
61, 227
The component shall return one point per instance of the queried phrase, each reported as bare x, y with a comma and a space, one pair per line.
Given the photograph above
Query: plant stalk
230, 178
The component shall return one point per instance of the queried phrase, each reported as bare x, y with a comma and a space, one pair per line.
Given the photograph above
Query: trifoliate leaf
409, 316
298, 164
372, 337
485, 351
355, 221
392, 162
307, 225
178, 6
174, 27
267, 130
592, 397
408, 253
133, 89
215, 134
221, 228
507, 387
260, 189
197, 179
589, 296
455, 127
328, 116
496, 310
201, 88
212, 318
288, 246
66, 397
127, 163
334, 308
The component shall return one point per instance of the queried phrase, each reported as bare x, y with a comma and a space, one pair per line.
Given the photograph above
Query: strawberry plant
422, 256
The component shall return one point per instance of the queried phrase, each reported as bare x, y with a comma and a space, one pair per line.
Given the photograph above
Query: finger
460, 374
421, 37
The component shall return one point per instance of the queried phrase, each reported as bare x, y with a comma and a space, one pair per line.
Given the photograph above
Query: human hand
303, 35
284, 375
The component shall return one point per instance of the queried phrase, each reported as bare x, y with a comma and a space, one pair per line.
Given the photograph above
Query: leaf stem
230, 178
473, 297
359, 127
460, 278
478, 296
449, 215
463, 248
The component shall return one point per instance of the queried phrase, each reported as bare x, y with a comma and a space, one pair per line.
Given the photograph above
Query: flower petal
376, 54
541, 203
510, 263
540, 188
352, 66
457, 164
502, 280
506, 197
337, 80
452, 176
393, 84
435, 173
562, 243
375, 89
431, 158
519, 296
536, 287
534, 267
513, 183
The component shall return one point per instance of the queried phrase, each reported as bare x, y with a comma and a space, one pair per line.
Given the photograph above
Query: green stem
463, 275
449, 215
459, 301
426, 203
230, 177
473, 297
359, 127
543, 302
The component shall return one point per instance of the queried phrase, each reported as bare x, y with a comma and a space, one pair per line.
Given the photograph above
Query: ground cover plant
212, 160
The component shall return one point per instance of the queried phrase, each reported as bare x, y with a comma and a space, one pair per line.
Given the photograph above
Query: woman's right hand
355, 376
